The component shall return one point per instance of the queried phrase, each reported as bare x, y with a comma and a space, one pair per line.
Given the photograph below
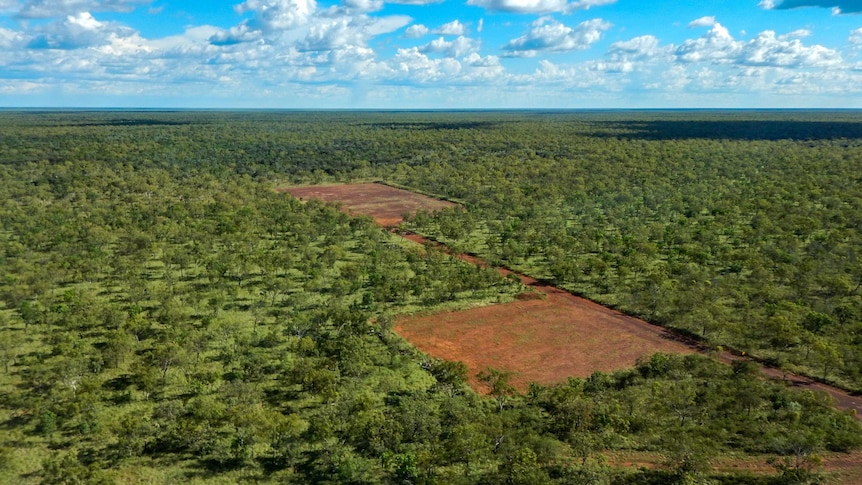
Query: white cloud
411, 64
642, 54
375, 26
193, 36
274, 15
77, 31
364, 5
455, 48
796, 34
702, 22
60, 8
331, 34
413, 67
549, 35
235, 35
10, 38
537, 6
480, 26
475, 60
569, 77
856, 36
346, 32
645, 46
717, 45
415, 31
452, 28
627, 56
767, 49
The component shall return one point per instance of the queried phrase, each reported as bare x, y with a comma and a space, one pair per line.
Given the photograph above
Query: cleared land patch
543, 340
385, 204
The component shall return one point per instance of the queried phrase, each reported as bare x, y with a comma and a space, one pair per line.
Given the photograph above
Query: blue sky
420, 54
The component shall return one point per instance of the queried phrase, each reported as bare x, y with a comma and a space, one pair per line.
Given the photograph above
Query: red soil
545, 339
385, 204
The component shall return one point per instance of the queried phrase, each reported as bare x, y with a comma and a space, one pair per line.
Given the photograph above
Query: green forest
167, 317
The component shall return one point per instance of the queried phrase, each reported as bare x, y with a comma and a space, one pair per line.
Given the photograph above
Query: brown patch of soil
546, 335
385, 204
542, 340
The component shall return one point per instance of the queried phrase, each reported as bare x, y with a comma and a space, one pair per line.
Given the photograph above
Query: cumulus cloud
454, 48
196, 38
415, 31
856, 36
771, 50
796, 34
452, 28
635, 54
549, 35
717, 46
31, 9
766, 50
411, 64
274, 15
348, 32
10, 38
645, 46
623, 56
77, 31
299, 24
703, 22
235, 35
331, 34
837, 6
475, 60
364, 5
538, 6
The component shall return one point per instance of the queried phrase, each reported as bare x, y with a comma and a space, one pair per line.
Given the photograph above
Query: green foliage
167, 317
748, 240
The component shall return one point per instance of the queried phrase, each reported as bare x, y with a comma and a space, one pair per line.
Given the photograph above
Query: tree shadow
747, 130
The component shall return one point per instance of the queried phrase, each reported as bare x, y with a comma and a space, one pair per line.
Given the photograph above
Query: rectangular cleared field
542, 340
385, 204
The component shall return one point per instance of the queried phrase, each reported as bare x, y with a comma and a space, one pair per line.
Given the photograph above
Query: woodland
167, 317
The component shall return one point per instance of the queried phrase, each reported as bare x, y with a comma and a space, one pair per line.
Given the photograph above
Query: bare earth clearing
551, 336
385, 204
546, 339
